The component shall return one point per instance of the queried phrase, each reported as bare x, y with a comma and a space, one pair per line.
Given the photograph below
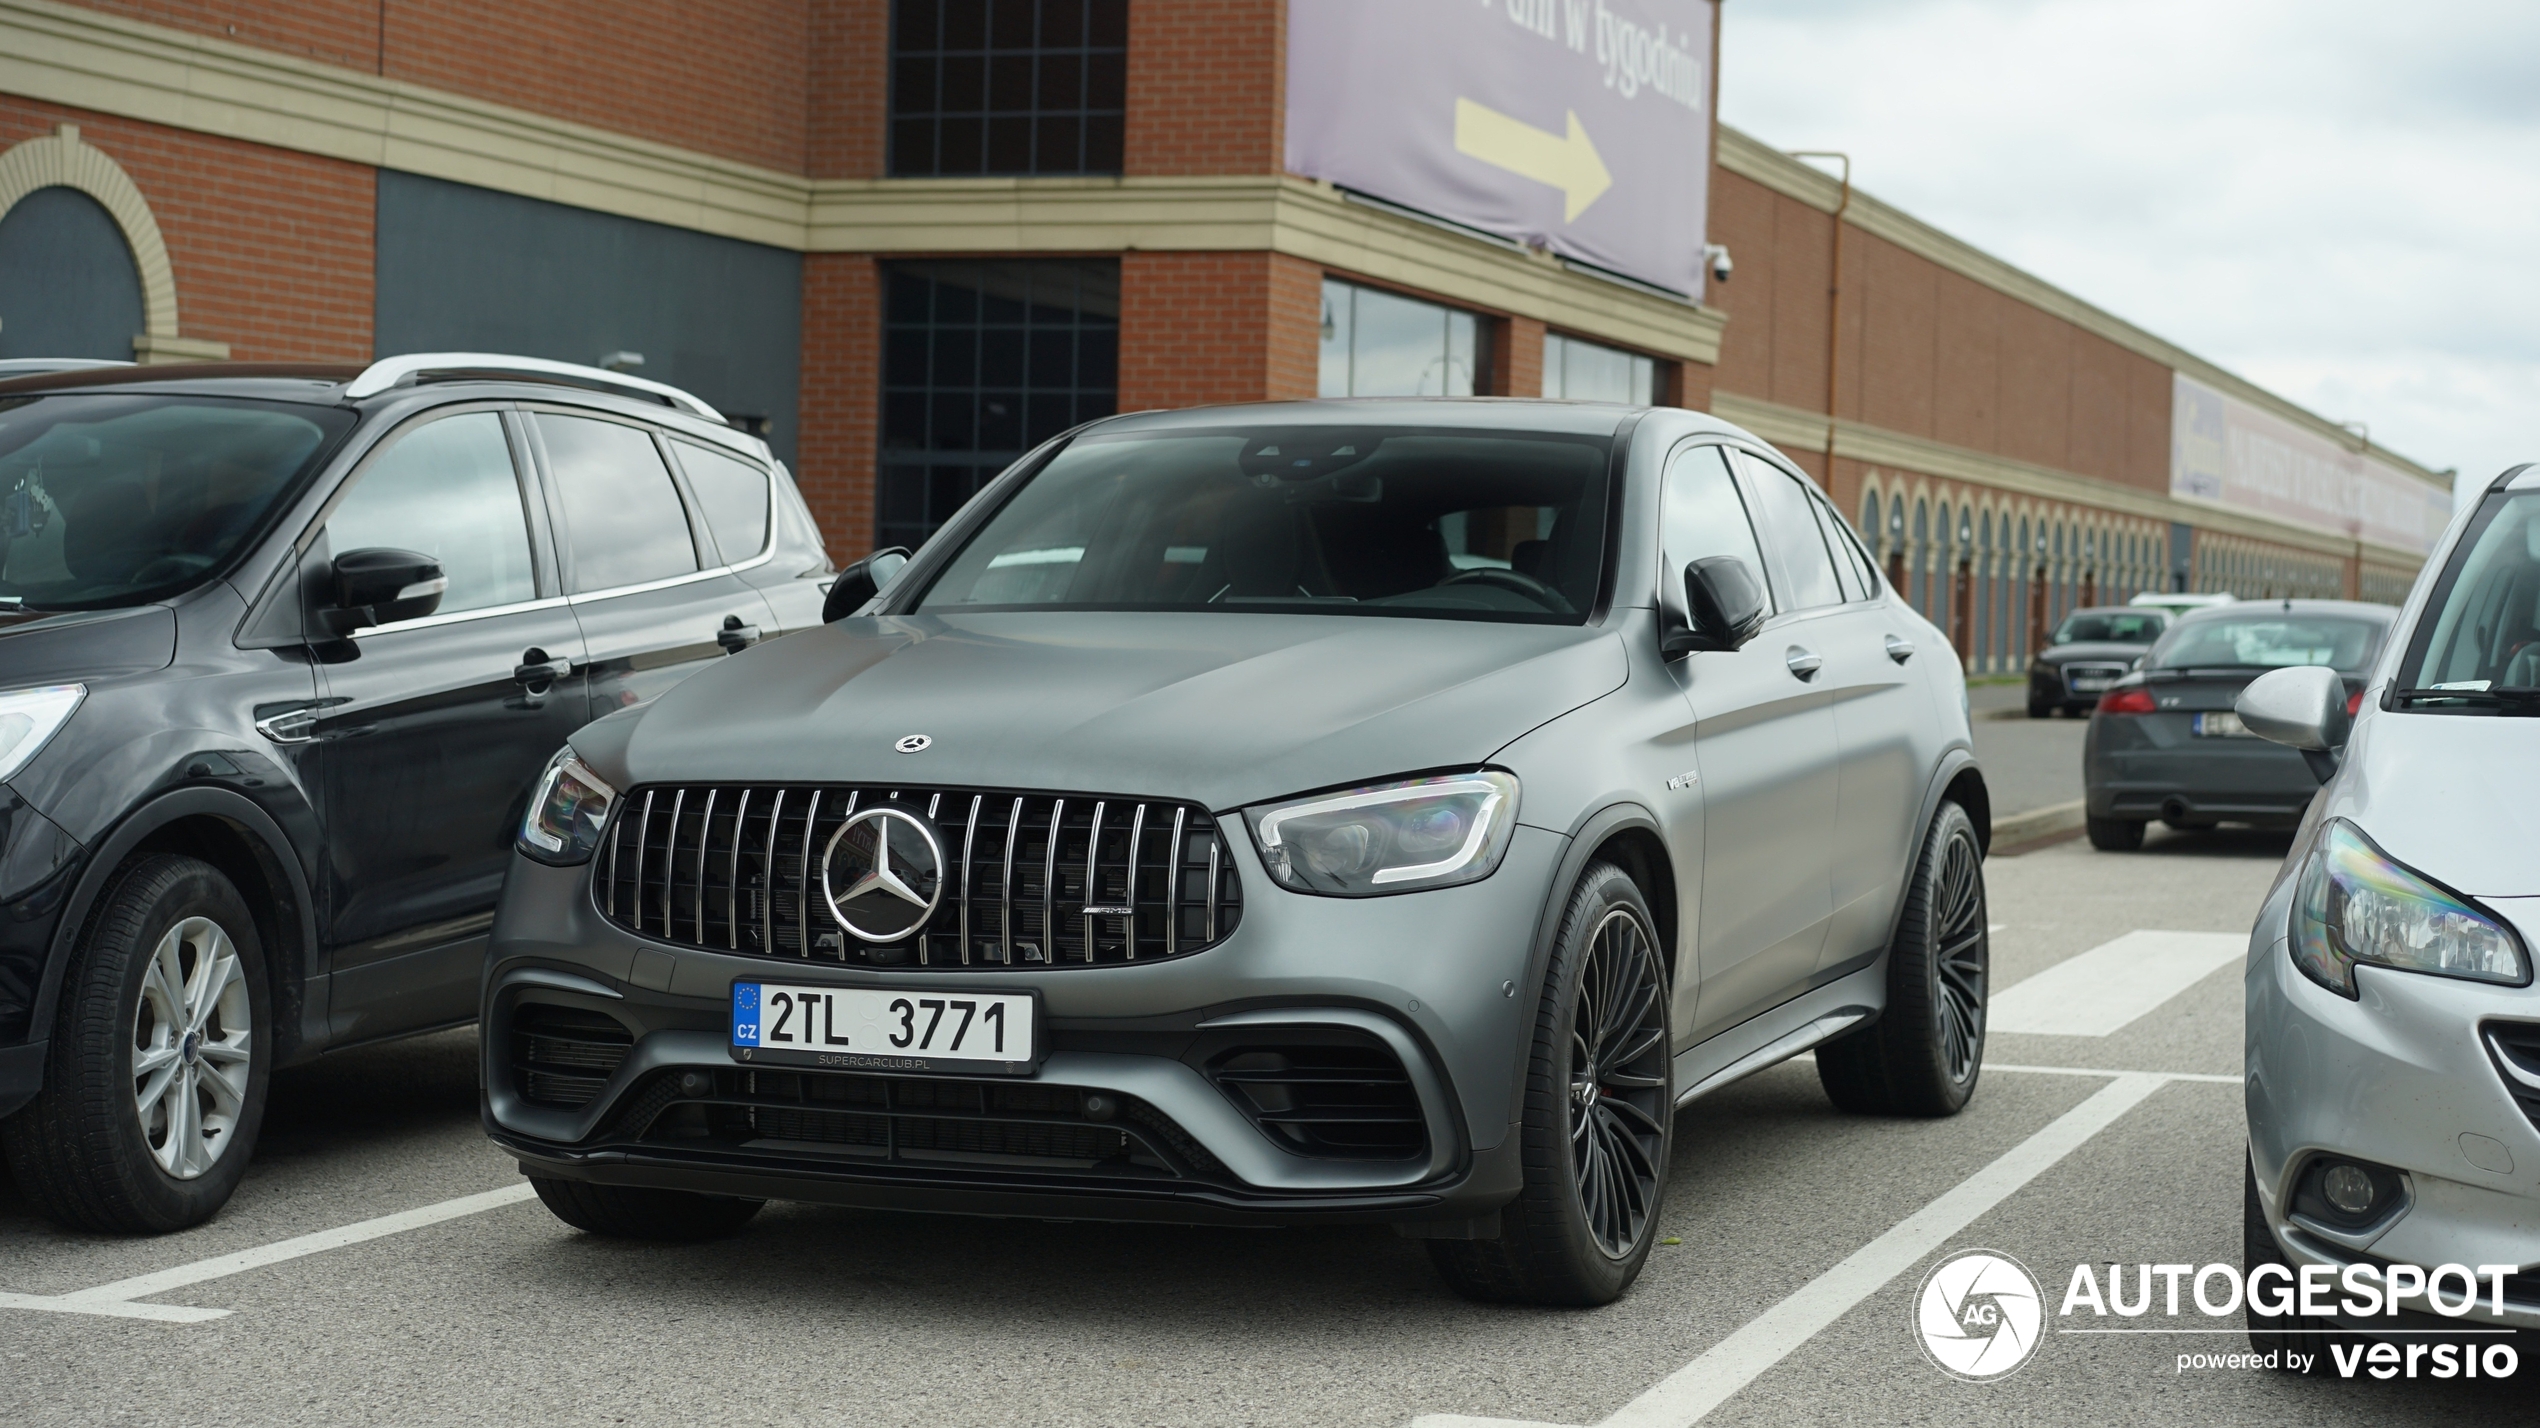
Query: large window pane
447, 489
622, 515
733, 493
1704, 516
1803, 569
1381, 344
1007, 86
987, 360
1588, 372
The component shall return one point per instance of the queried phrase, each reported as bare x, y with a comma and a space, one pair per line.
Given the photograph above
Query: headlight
2355, 904
1389, 837
567, 810
28, 717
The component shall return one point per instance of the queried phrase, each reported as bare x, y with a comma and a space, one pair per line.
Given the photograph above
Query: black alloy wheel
1599, 1114
1922, 1057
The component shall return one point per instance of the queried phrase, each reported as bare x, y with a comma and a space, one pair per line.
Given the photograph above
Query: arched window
68, 283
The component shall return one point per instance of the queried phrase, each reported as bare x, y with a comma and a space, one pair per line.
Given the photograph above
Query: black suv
283, 650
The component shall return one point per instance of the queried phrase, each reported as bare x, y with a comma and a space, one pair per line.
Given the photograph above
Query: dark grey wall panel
469, 269
67, 284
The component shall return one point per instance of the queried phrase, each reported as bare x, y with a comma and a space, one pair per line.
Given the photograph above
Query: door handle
1803, 663
735, 636
536, 670
1899, 650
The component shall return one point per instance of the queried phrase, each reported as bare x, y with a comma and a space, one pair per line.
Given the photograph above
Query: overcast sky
2338, 200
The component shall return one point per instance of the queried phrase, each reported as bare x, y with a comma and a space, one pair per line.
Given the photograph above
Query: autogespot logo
1979, 1315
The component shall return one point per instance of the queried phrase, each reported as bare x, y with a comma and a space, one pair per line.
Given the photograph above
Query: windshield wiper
2515, 696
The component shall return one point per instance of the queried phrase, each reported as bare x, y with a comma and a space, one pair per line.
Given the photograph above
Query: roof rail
390, 371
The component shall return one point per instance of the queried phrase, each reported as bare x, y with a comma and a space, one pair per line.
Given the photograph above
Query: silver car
2393, 1028
1308, 813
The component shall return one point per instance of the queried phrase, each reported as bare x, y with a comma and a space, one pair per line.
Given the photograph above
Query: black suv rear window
109, 500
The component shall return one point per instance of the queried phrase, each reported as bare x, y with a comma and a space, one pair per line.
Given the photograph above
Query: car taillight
2354, 702
2137, 700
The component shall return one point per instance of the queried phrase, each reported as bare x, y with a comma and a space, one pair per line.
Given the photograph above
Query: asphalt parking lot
1803, 1235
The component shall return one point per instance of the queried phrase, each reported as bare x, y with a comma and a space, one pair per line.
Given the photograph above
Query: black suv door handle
536, 671
735, 636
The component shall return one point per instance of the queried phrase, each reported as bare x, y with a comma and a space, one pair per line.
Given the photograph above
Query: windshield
2484, 617
117, 500
2263, 638
2121, 627
1447, 524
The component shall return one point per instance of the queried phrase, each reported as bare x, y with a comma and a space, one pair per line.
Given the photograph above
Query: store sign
2227, 452
1582, 126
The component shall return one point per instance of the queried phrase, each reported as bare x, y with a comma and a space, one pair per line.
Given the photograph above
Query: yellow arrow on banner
1570, 164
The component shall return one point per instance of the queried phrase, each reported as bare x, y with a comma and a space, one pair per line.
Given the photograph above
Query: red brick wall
850, 92
272, 250
1217, 327
1207, 86
725, 77
841, 400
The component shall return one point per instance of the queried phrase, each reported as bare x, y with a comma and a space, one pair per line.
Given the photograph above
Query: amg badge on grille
883, 873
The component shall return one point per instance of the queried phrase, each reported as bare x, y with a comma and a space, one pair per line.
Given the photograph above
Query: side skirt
1782, 1033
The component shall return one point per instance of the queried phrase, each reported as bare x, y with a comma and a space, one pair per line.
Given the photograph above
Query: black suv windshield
2265, 638
2106, 627
111, 500
1454, 524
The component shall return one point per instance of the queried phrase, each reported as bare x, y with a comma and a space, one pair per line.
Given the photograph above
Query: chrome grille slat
769, 876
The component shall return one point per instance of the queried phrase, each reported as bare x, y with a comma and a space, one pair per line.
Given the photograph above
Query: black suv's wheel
630, 1212
1922, 1057
2043, 708
155, 1085
2115, 835
1599, 1114
2285, 1335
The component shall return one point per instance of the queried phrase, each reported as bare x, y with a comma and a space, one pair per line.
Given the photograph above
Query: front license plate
2221, 726
2087, 682
862, 1029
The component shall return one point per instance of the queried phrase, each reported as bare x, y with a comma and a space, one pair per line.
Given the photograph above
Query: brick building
912, 237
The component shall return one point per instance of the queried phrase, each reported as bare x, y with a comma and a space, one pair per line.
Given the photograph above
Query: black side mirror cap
1725, 602
861, 582
380, 585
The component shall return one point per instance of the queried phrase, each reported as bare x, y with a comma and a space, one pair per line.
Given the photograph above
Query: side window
1703, 514
622, 515
446, 488
734, 495
1849, 563
1803, 568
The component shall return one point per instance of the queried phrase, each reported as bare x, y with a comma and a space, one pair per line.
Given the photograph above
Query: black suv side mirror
1726, 603
380, 584
861, 582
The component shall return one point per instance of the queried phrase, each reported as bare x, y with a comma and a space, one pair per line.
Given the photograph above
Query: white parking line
2108, 987
116, 1300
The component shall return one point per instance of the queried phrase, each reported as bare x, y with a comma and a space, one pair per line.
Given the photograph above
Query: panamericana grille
562, 1056
1347, 1100
1030, 879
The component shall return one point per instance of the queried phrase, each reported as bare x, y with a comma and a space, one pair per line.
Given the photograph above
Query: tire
2115, 835
1596, 1136
2281, 1334
2041, 709
154, 1087
627, 1212
1923, 1056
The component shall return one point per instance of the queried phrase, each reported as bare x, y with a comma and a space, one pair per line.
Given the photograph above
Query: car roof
2357, 609
2153, 610
1480, 414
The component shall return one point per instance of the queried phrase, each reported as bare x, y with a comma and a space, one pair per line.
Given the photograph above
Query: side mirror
1725, 602
380, 585
861, 582
2302, 708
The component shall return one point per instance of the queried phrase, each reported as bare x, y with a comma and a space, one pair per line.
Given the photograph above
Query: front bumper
2399, 1078
1427, 983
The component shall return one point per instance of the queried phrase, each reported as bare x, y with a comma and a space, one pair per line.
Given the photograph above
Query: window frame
697, 515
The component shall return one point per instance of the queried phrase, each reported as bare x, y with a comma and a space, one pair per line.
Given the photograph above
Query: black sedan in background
2164, 742
2090, 651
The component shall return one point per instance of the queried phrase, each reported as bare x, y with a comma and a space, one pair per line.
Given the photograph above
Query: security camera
1721, 266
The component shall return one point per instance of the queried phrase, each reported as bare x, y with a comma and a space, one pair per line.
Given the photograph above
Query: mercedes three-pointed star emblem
891, 883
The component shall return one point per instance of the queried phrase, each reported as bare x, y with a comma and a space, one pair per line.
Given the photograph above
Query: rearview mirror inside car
380, 585
861, 582
2303, 707
1725, 603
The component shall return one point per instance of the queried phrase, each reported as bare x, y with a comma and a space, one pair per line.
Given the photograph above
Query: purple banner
1583, 126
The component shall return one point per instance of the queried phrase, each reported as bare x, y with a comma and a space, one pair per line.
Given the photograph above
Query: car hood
2448, 795
2122, 654
37, 648
1227, 709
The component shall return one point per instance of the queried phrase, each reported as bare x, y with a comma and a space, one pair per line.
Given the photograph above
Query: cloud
2337, 199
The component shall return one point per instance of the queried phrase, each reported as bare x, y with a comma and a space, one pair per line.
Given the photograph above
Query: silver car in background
2393, 1033
1295, 813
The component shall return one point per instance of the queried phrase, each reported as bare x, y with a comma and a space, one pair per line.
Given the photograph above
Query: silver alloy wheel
191, 1047
1618, 1082
1963, 953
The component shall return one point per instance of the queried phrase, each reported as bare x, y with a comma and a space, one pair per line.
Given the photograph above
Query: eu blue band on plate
745, 1014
